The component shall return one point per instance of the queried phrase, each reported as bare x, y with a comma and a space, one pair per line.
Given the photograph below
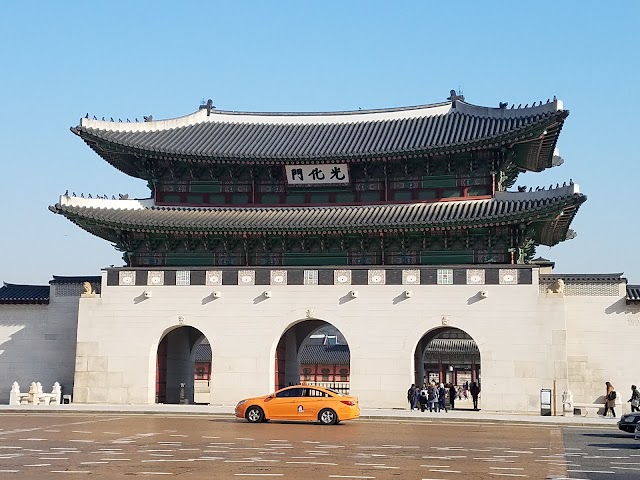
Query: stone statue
556, 287
567, 402
87, 289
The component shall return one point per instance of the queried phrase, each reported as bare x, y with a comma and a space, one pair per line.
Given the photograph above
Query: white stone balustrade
35, 396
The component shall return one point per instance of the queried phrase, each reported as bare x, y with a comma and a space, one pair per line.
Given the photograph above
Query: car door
311, 403
283, 405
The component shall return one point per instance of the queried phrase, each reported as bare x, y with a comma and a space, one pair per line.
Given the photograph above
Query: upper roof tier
214, 136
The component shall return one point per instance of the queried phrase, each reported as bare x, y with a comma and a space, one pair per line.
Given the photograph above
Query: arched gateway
312, 352
175, 365
447, 355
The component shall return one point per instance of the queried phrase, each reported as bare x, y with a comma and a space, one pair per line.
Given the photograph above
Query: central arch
447, 355
313, 352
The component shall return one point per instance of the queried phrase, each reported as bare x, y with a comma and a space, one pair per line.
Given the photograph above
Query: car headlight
240, 403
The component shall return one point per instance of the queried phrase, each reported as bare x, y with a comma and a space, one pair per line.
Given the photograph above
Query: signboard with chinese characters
322, 174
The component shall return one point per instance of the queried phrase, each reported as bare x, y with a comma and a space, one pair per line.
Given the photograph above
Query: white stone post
33, 394
14, 395
57, 392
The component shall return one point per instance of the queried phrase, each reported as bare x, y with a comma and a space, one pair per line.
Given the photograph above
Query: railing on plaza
340, 387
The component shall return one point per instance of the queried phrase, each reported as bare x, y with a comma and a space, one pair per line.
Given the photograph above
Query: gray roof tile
24, 294
325, 355
633, 293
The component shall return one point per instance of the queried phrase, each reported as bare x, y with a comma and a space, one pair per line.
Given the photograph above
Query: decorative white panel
508, 276
411, 277
246, 277
445, 276
342, 277
377, 277
183, 277
475, 276
126, 277
311, 277
155, 278
278, 277
213, 278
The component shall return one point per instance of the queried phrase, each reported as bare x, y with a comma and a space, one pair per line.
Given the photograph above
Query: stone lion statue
87, 289
556, 287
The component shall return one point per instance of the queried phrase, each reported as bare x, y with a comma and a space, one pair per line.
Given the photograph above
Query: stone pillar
14, 395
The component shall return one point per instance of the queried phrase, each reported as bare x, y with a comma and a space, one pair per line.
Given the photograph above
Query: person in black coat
452, 395
475, 391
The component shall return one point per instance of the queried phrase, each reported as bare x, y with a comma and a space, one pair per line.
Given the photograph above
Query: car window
312, 392
291, 392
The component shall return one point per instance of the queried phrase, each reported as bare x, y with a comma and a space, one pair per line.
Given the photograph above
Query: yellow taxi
300, 402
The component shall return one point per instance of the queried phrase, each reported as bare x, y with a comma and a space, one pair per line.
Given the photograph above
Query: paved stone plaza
54, 444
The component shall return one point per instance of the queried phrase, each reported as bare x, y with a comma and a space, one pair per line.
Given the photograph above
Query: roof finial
454, 97
503, 105
148, 118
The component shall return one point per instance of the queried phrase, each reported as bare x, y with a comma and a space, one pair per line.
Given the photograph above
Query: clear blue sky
123, 59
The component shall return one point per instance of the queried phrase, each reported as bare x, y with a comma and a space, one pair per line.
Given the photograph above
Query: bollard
181, 394
14, 395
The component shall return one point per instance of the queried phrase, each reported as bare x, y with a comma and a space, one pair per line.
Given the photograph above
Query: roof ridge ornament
454, 97
208, 106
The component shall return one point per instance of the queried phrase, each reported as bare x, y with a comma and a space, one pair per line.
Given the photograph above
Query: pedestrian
411, 396
635, 399
475, 391
610, 401
452, 395
432, 397
423, 398
442, 398
465, 389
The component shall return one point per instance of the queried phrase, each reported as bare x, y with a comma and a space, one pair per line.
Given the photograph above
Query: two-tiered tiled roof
212, 136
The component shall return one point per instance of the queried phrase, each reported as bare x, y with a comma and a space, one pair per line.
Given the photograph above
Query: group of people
434, 396
611, 395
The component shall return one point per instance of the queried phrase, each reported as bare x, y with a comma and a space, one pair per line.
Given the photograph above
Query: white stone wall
521, 335
602, 345
38, 344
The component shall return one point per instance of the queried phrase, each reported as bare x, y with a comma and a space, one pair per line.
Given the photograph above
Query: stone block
97, 364
86, 349
81, 364
98, 395
80, 394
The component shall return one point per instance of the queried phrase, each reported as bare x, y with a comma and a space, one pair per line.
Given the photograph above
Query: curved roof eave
250, 138
295, 220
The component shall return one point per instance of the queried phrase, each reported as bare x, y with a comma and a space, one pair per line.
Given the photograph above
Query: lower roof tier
548, 213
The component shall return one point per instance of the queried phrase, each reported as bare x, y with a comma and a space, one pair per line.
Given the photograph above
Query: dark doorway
175, 365
313, 352
447, 355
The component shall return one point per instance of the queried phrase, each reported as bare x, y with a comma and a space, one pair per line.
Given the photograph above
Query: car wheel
327, 417
254, 415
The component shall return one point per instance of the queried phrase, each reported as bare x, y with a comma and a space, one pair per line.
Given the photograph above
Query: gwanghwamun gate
401, 228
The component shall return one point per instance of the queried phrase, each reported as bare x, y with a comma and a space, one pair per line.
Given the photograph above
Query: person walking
411, 396
610, 401
423, 398
452, 395
442, 398
635, 399
475, 391
432, 397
